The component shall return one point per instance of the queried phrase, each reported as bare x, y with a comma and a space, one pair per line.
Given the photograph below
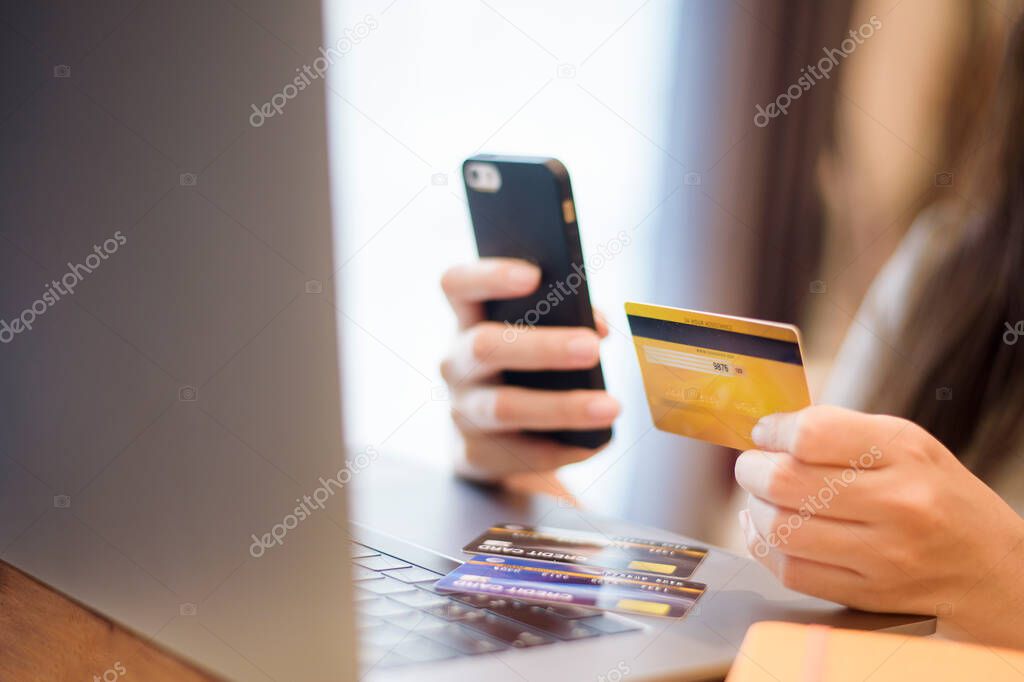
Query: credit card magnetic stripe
584, 537
715, 339
521, 566
545, 582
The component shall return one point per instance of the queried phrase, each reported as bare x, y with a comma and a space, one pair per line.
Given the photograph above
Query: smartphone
522, 207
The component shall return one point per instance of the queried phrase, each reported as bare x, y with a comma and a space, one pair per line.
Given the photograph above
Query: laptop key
463, 640
359, 551
381, 562
381, 607
362, 595
370, 656
422, 650
419, 599
386, 586
507, 631
414, 574
365, 621
360, 573
610, 625
432, 587
456, 611
538, 617
390, 660
417, 621
383, 635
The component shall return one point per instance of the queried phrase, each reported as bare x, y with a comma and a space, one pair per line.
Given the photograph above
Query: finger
489, 347
531, 483
824, 434
785, 481
808, 536
511, 408
803, 575
601, 322
467, 286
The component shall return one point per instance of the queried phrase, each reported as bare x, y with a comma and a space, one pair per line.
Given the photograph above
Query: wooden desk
45, 635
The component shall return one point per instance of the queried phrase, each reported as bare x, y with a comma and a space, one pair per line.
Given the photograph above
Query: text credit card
551, 583
712, 377
589, 549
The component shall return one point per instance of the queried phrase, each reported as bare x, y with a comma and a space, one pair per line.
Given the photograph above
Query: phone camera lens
475, 174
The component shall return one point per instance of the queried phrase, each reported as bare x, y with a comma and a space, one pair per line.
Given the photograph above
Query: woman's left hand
873, 512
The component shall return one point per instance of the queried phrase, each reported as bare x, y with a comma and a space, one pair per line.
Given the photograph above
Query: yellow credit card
711, 377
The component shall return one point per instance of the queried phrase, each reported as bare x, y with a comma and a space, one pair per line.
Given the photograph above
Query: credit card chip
652, 567
639, 606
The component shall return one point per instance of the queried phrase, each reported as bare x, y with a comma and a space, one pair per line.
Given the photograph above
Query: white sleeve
872, 340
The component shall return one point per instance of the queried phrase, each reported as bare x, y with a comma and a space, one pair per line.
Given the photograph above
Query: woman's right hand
492, 416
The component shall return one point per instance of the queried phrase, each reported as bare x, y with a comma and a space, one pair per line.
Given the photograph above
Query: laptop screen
170, 440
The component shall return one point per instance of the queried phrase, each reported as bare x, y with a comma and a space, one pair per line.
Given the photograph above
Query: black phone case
532, 216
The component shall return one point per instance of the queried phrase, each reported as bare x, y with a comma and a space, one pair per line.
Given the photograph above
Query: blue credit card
582, 548
551, 583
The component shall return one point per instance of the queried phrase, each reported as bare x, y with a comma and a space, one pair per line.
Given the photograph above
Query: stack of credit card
712, 377
549, 565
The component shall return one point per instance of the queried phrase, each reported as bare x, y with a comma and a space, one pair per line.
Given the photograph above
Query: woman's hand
873, 512
490, 415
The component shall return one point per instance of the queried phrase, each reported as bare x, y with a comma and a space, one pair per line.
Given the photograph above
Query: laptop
170, 443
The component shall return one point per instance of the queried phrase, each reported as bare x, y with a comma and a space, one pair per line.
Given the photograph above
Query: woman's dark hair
960, 379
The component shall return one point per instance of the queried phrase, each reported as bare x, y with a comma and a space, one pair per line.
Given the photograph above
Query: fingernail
759, 434
741, 468
521, 276
582, 347
604, 407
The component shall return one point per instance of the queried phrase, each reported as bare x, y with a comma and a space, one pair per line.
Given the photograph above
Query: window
428, 84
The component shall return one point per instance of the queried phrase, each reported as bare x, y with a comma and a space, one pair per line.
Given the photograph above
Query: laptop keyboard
402, 619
